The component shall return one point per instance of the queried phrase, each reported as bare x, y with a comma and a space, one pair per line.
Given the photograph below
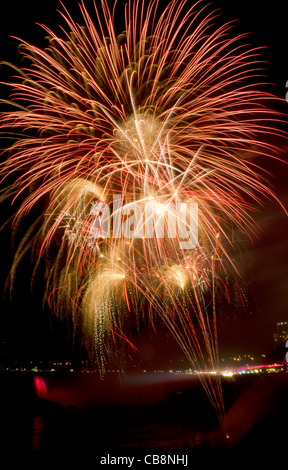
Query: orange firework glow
141, 126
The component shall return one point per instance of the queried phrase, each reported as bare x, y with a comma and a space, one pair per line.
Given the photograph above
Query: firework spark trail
159, 114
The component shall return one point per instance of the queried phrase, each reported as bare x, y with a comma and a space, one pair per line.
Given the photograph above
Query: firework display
140, 145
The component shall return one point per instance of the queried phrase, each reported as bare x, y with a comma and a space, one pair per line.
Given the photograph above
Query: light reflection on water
255, 410
37, 432
121, 429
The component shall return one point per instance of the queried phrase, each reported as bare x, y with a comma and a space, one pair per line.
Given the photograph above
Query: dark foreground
77, 412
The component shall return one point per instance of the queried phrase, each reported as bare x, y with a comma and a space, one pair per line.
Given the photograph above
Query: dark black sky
264, 264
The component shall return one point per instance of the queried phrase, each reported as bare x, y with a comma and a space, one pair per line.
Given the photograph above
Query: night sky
264, 264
